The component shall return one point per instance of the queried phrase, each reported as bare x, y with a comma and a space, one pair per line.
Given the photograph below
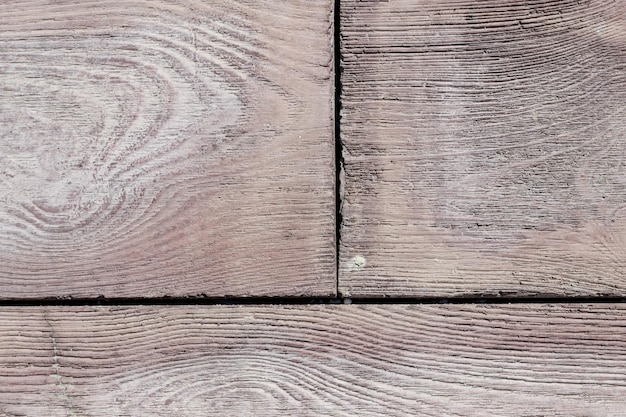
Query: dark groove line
208, 301
337, 136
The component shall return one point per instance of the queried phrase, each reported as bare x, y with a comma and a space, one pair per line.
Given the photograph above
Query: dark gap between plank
337, 137
181, 301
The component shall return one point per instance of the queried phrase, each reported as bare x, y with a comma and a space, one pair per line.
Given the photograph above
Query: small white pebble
356, 263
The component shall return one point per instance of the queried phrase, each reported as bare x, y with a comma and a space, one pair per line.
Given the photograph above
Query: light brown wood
393, 360
166, 148
484, 146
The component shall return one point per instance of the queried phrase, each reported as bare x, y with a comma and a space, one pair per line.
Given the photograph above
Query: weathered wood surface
484, 147
393, 360
166, 148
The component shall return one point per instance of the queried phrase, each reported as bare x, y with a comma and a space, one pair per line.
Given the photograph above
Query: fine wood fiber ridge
166, 148
521, 360
483, 147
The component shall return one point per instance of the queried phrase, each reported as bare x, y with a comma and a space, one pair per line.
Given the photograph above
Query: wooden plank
166, 148
392, 360
484, 147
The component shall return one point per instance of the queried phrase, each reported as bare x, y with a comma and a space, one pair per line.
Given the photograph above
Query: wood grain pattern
393, 360
484, 145
152, 148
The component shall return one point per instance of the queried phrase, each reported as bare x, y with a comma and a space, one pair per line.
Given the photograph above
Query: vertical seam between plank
339, 183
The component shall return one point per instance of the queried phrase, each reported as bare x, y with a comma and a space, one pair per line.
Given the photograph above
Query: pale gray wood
484, 145
166, 148
390, 360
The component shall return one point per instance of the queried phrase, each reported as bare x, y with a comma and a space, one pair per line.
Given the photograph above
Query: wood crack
56, 366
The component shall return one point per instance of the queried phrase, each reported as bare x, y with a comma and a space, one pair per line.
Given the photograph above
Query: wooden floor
484, 145
312, 208
166, 148
348, 360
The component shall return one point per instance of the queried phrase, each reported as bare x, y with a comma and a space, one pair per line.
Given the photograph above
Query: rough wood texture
166, 148
484, 147
522, 360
